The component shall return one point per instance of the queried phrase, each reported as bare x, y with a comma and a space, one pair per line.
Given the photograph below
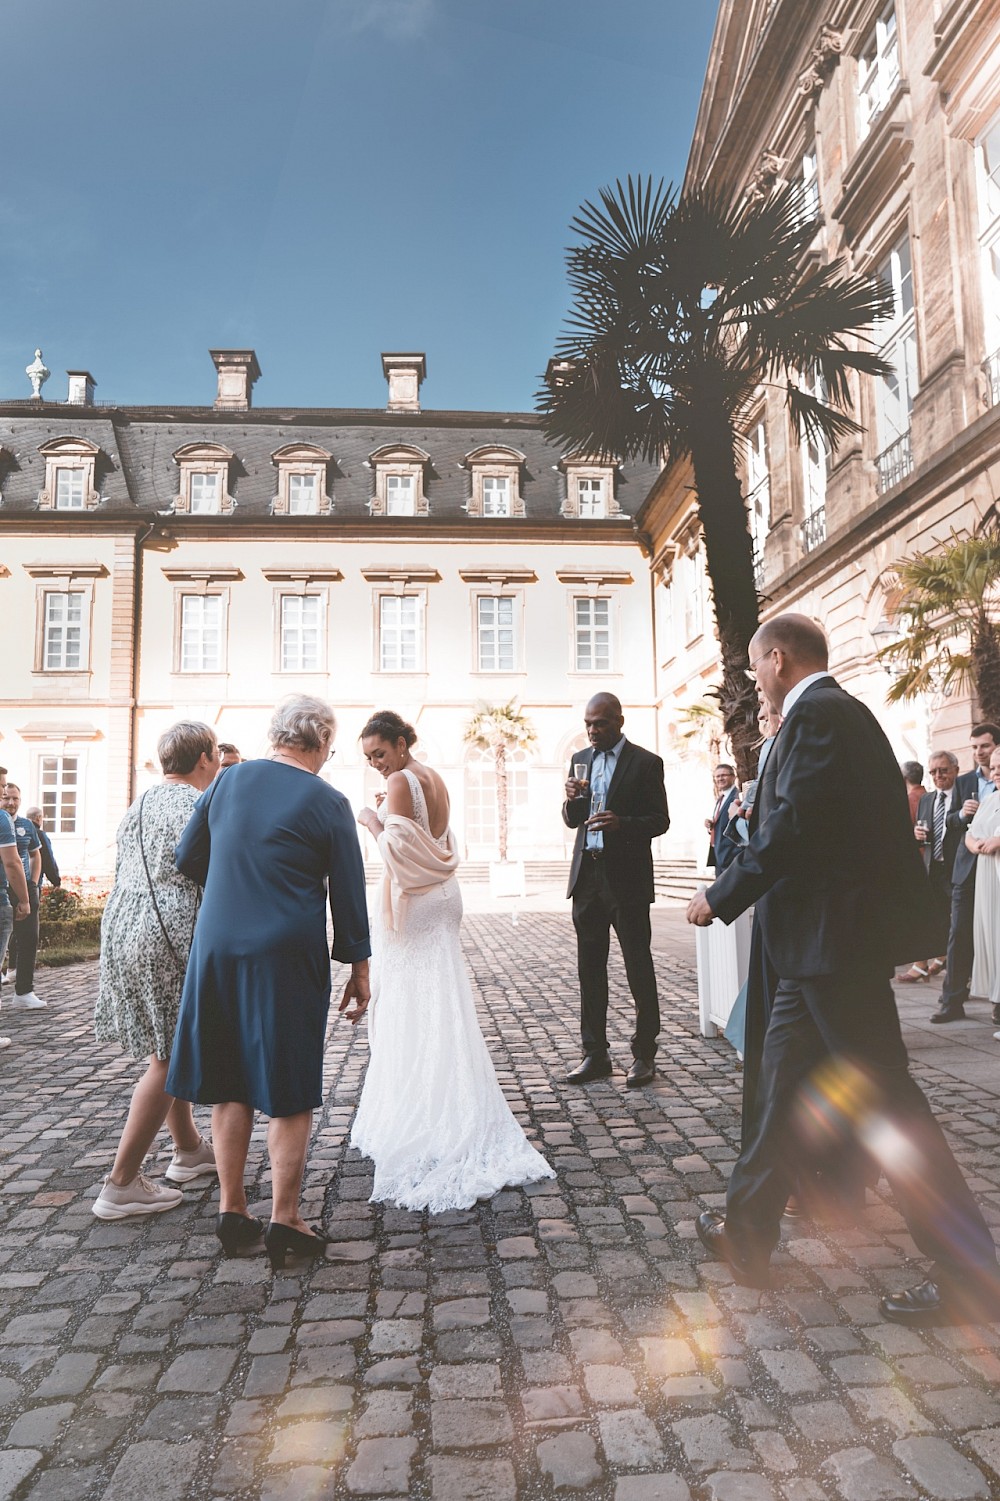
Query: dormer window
399, 480
496, 482
204, 479
70, 465
302, 471
590, 488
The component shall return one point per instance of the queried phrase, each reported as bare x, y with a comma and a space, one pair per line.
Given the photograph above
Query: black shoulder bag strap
156, 906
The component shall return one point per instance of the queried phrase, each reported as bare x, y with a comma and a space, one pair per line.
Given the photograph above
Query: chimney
238, 370
404, 372
81, 388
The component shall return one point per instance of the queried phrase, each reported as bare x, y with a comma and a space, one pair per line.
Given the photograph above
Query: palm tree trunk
500, 760
729, 559
986, 670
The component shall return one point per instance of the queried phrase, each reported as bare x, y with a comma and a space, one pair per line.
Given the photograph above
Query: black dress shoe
642, 1072
943, 1303
750, 1271
594, 1066
949, 1014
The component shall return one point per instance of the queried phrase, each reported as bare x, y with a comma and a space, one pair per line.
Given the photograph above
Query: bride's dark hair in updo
388, 725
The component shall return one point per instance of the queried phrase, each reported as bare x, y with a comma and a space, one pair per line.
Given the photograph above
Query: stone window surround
400, 459
313, 583
203, 458
301, 458
590, 582
500, 591
403, 580
868, 31
213, 581
69, 453
495, 461
64, 578
323, 596
580, 466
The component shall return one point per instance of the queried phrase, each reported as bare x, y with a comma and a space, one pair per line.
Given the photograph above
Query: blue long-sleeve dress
267, 841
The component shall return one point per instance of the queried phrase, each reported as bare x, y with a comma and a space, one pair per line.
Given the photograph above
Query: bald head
603, 720
604, 703
800, 639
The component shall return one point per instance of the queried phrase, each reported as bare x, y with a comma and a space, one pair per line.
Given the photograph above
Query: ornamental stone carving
37, 374
766, 177
823, 58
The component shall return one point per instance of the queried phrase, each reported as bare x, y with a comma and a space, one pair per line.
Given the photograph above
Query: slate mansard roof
136, 471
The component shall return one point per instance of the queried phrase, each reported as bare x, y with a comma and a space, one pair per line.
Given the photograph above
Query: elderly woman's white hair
301, 722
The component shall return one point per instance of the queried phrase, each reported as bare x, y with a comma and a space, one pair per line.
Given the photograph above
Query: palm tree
946, 603
684, 307
703, 728
500, 728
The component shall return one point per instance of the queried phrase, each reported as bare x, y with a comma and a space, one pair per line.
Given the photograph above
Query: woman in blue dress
268, 841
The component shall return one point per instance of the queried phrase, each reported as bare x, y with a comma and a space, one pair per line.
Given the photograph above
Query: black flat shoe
237, 1231
594, 1066
931, 1303
640, 1074
281, 1240
749, 1271
948, 1014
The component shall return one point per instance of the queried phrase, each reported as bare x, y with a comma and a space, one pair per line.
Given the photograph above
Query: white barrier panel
723, 955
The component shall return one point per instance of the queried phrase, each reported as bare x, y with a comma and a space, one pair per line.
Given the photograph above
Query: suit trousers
24, 945
835, 1070
940, 878
958, 974
596, 910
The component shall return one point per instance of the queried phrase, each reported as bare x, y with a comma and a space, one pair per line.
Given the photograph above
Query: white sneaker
138, 1197
29, 1002
4, 1043
186, 1166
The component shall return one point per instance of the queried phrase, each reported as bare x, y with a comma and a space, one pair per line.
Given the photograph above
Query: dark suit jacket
638, 796
721, 850
832, 863
966, 786
953, 836
50, 870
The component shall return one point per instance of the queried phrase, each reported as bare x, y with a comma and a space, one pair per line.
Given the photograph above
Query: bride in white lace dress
432, 1115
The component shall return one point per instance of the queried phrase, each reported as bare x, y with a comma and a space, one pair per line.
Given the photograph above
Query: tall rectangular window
301, 632
399, 494
809, 178
878, 68
897, 336
201, 645
496, 495
59, 777
63, 641
591, 498
303, 494
495, 630
989, 245
400, 633
758, 488
592, 632
694, 594
69, 489
204, 492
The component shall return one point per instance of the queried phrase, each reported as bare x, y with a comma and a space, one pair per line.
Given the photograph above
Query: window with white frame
693, 573
496, 495
301, 633
590, 497
303, 494
809, 179
400, 633
481, 821
399, 480
495, 626
399, 495
59, 780
592, 634
302, 478
64, 631
988, 154
201, 632
758, 487
897, 339
878, 68
205, 489
69, 489
590, 487
815, 457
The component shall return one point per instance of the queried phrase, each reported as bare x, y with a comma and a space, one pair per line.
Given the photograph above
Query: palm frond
817, 420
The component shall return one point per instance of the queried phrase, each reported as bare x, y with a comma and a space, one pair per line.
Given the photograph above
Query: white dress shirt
794, 694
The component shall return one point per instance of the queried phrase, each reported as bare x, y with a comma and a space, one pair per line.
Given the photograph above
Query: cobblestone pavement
570, 1339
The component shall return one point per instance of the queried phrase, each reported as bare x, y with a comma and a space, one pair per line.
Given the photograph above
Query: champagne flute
581, 775
597, 801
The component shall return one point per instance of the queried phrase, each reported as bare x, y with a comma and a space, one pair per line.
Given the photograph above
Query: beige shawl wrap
414, 862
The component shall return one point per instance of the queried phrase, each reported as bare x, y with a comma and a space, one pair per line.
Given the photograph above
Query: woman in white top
983, 839
432, 1115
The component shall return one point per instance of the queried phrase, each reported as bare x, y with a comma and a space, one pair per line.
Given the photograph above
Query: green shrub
58, 903
68, 931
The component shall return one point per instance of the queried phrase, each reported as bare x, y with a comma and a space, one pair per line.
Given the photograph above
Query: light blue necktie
599, 780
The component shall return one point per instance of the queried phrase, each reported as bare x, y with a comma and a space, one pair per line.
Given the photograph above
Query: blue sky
320, 180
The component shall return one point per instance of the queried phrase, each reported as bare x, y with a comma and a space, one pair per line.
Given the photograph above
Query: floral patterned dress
142, 975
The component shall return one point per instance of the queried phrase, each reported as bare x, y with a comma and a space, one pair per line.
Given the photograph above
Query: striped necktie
939, 807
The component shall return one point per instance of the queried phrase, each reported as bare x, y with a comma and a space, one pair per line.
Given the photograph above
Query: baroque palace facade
202, 562
888, 112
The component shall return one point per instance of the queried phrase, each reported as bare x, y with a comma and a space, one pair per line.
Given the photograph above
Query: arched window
481, 831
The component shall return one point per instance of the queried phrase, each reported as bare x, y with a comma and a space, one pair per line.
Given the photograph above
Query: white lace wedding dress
432, 1115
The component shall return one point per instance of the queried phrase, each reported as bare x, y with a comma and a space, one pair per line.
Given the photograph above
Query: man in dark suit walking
970, 789
841, 896
721, 850
617, 812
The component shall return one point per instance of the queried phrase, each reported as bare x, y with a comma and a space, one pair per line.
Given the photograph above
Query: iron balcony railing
814, 529
991, 369
895, 463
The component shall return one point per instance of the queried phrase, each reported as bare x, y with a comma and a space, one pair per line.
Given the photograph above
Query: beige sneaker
141, 1196
186, 1166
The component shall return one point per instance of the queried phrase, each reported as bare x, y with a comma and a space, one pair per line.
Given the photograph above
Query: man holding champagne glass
616, 801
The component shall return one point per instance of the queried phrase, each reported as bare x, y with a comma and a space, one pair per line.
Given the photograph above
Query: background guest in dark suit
840, 891
611, 883
971, 788
721, 850
50, 870
939, 844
